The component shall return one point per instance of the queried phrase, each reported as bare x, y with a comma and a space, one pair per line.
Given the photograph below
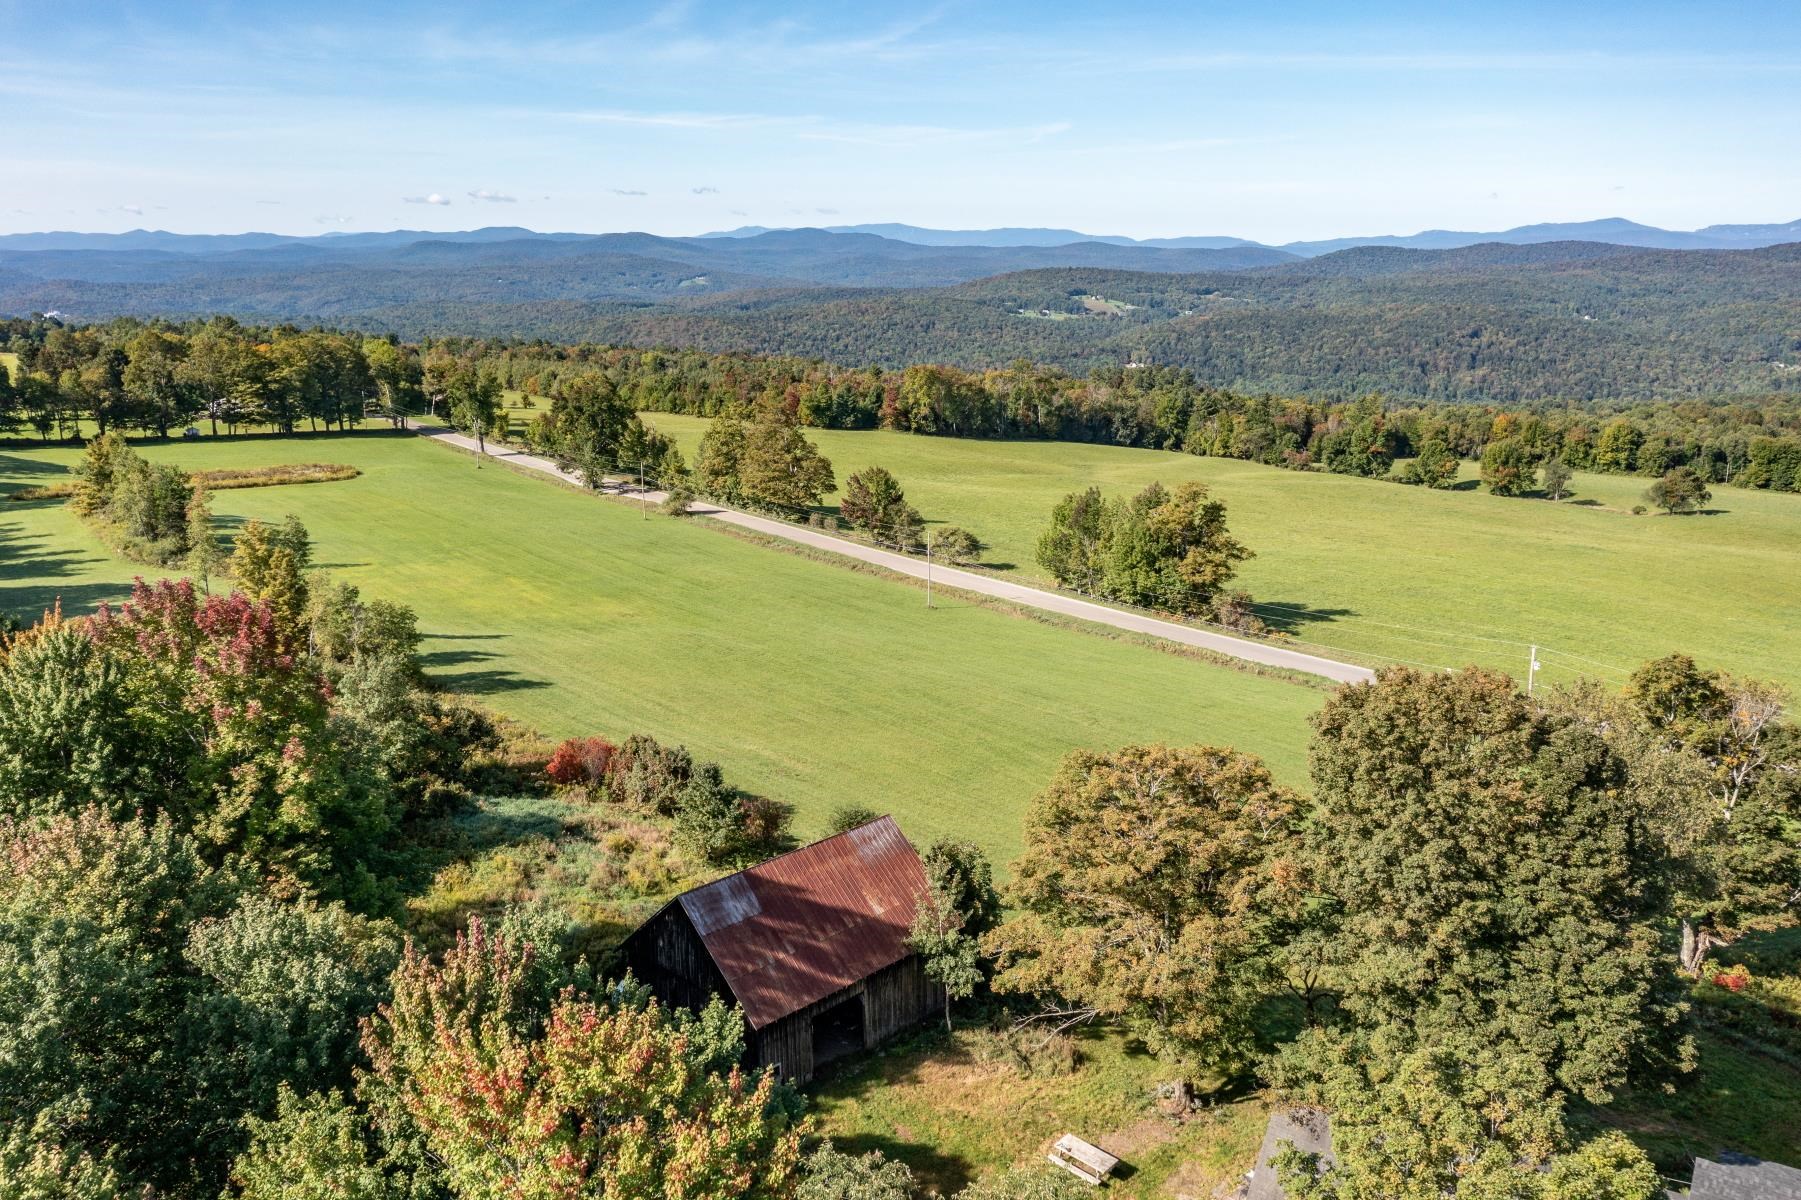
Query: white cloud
624, 192
826, 212
674, 120
705, 191
333, 220
928, 135
133, 209
491, 196
434, 198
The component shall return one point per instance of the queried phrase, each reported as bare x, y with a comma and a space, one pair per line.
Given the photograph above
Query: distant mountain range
512, 264
1520, 316
1615, 231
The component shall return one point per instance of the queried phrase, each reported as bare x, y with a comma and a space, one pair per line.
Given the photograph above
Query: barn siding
894, 998
666, 953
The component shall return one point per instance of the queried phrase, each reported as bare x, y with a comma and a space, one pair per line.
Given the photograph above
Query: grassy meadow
932, 1098
1442, 578
810, 683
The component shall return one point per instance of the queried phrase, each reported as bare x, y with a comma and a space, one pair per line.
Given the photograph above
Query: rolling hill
1495, 321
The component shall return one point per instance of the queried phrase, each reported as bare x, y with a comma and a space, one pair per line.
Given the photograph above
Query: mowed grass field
1442, 578
810, 683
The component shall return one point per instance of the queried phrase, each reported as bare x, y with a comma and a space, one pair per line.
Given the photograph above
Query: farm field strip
1370, 568
1048, 601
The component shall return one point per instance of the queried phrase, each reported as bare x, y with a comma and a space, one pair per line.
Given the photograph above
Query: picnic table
1085, 1161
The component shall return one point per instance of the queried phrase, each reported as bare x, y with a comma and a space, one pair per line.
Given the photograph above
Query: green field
811, 683
1443, 578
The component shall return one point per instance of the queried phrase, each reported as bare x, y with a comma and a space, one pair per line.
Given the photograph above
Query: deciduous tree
1476, 846
1679, 491
1147, 893
1435, 466
1508, 468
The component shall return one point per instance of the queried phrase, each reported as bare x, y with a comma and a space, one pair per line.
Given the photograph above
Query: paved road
969, 581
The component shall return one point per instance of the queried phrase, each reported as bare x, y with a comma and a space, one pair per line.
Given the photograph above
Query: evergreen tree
205, 558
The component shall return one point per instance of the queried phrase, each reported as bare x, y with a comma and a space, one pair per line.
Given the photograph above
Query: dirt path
968, 581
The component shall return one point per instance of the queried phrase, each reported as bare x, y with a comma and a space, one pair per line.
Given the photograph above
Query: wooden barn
812, 945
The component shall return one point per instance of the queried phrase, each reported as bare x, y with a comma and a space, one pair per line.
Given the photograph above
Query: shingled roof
791, 931
1743, 1177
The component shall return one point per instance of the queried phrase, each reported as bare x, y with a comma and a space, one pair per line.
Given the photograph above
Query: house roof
791, 931
1742, 1177
1308, 1130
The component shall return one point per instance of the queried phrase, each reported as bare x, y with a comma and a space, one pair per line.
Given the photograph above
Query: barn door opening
838, 1030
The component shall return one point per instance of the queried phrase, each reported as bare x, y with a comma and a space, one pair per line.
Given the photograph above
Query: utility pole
928, 570
643, 502
1532, 671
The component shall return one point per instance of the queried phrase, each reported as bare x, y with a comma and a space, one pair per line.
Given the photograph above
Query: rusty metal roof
795, 929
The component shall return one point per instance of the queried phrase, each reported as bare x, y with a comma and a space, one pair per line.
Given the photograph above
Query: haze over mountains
1528, 314
1616, 231
1613, 230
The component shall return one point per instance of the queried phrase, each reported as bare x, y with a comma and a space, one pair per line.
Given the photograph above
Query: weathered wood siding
894, 998
666, 953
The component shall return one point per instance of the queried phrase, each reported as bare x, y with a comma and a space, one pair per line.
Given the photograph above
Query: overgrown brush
225, 479
222, 479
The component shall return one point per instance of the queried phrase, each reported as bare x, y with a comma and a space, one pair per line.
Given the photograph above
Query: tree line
157, 377
1752, 443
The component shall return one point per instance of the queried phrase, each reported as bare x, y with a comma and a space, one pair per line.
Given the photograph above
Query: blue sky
1272, 121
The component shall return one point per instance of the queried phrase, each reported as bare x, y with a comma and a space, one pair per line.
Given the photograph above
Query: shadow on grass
34, 579
454, 658
487, 683
945, 1173
1292, 616
12, 466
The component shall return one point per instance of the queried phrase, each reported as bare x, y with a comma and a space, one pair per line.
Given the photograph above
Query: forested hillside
1491, 323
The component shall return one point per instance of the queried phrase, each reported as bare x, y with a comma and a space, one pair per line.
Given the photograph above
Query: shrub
765, 823
1026, 1183
1030, 1052
648, 776
957, 545
830, 1174
1234, 611
676, 501
849, 816
580, 761
717, 824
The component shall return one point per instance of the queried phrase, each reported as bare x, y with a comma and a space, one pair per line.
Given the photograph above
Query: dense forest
1486, 323
160, 376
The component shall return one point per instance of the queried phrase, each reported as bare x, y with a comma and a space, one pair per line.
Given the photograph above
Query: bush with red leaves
580, 761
